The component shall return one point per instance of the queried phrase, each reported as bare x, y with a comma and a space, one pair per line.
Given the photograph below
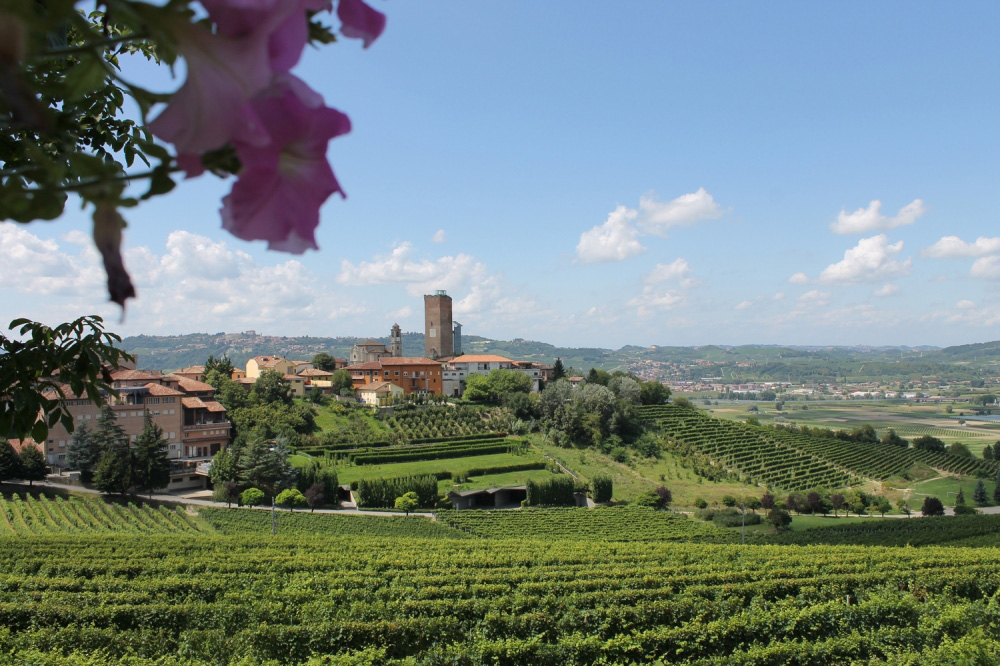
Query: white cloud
814, 299
870, 260
986, 268
779, 296
658, 217
402, 313
439, 236
965, 305
192, 256
799, 278
744, 305
421, 277
952, 247
888, 289
866, 220
651, 301
614, 240
31, 265
679, 268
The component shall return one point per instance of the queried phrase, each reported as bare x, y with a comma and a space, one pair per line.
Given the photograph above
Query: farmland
189, 600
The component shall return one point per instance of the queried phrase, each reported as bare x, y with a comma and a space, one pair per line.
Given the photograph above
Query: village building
412, 374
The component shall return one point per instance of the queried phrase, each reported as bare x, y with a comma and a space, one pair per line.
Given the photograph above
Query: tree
653, 393
664, 497
729, 500
10, 463
315, 496
477, 388
223, 468
837, 500
113, 473
988, 452
700, 503
323, 361
291, 497
767, 501
903, 506
960, 497
626, 388
34, 369
341, 381
892, 439
987, 399
228, 492
779, 518
222, 365
959, 449
979, 495
407, 502
252, 497
82, 453
33, 465
151, 468
114, 470
502, 382
558, 371
929, 443
882, 505
932, 507
271, 387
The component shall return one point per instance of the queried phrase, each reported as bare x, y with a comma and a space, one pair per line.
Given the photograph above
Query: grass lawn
946, 489
494, 480
349, 473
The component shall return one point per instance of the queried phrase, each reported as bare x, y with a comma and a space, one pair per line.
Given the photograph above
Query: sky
594, 175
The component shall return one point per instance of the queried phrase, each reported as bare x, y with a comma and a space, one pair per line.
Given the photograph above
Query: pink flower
279, 192
360, 21
285, 20
212, 107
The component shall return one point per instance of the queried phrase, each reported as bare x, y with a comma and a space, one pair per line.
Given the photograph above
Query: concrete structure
460, 367
370, 350
457, 339
413, 374
489, 498
438, 331
193, 422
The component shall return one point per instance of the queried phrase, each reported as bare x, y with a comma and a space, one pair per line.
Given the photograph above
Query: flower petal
360, 21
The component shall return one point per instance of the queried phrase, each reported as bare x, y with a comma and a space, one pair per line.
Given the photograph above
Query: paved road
180, 499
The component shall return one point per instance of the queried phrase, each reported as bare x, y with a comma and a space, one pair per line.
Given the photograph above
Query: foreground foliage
219, 600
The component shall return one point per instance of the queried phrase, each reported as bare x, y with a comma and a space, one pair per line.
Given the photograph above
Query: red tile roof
407, 360
480, 358
193, 403
128, 375
315, 372
160, 390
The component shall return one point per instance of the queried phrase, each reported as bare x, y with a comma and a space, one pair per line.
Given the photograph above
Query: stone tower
457, 339
438, 331
395, 341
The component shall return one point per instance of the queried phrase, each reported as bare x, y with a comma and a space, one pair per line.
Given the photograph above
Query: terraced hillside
192, 600
793, 461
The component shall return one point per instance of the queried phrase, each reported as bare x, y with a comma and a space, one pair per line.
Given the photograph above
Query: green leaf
87, 76
40, 432
160, 182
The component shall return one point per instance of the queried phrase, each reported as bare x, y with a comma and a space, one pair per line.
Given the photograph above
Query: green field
349, 473
199, 600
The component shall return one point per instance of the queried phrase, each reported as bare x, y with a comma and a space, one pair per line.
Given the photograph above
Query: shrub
602, 488
700, 503
557, 491
252, 497
932, 507
291, 497
648, 498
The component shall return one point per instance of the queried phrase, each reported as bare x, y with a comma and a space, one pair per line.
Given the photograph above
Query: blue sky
595, 174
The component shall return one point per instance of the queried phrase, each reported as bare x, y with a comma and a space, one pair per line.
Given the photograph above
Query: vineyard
944, 530
627, 523
438, 422
30, 514
793, 461
303, 524
188, 600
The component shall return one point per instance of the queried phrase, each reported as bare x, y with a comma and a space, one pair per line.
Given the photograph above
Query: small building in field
508, 497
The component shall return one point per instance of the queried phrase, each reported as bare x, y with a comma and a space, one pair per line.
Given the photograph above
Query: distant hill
729, 363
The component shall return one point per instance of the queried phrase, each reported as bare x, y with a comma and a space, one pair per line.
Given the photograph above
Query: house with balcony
460, 367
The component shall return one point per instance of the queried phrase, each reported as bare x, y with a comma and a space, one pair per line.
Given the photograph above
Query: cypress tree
979, 495
152, 467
